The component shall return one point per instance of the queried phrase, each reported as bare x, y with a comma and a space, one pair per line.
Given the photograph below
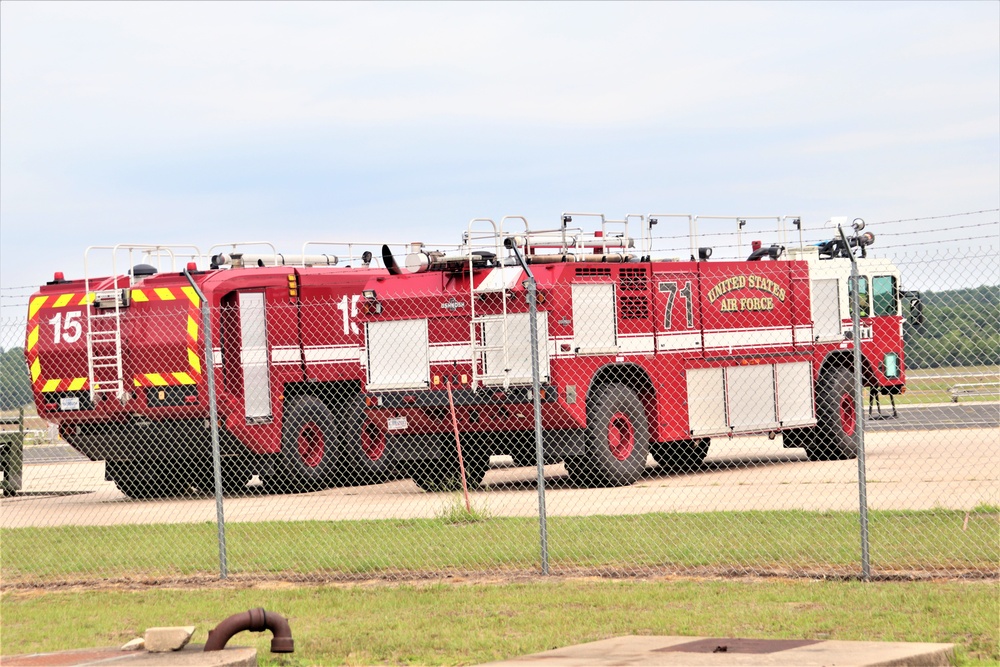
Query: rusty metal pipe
255, 620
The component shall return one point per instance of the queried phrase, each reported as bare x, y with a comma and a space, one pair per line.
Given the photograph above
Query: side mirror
916, 315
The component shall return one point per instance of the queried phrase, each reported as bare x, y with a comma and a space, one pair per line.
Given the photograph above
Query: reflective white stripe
338, 353
635, 344
803, 335
674, 342
285, 355
629, 344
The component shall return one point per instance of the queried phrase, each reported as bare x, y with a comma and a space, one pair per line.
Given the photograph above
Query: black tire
680, 456
144, 479
837, 418
235, 475
309, 448
443, 474
617, 440
364, 457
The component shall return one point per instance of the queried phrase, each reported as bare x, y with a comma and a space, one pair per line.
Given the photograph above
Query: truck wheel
442, 474
680, 456
235, 475
146, 479
617, 440
364, 455
836, 416
308, 447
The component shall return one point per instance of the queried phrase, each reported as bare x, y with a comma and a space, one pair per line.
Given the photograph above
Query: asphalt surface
906, 470
935, 417
909, 418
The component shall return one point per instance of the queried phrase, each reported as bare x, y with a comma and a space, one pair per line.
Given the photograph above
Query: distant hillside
961, 328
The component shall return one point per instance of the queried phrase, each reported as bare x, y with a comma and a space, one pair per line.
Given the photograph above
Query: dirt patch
421, 579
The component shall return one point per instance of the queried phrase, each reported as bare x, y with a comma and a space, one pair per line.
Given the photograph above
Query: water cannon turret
834, 248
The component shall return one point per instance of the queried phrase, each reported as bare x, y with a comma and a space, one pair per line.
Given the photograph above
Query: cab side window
862, 296
885, 295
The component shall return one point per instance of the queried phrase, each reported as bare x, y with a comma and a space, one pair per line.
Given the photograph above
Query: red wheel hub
311, 445
621, 436
372, 442
848, 416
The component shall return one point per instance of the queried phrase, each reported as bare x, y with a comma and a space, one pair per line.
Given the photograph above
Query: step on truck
638, 355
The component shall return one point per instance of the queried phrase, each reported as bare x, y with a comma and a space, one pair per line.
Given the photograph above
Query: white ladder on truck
105, 371
490, 358
104, 347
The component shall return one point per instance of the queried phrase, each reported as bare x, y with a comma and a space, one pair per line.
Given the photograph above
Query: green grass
458, 513
778, 541
478, 622
921, 391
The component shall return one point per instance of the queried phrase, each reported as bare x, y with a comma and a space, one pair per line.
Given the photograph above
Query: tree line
961, 328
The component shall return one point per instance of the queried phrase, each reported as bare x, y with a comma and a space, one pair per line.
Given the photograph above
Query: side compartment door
398, 355
246, 372
749, 399
518, 347
826, 310
254, 357
595, 319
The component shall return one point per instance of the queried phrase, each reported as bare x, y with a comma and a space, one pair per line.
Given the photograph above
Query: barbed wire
910, 245
730, 246
830, 230
931, 231
935, 217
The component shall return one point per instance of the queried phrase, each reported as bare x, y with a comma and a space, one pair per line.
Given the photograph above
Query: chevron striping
35, 305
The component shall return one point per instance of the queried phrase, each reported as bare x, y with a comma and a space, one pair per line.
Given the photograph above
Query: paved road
910, 418
958, 469
936, 417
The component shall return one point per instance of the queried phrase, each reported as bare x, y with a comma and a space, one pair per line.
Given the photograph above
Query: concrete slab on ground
190, 656
727, 652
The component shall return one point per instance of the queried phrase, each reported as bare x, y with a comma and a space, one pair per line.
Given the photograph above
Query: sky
204, 123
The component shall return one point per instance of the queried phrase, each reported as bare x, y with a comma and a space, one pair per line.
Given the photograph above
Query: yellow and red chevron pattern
31, 340
163, 379
71, 384
193, 373
49, 385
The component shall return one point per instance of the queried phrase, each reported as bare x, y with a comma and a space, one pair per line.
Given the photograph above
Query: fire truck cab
637, 355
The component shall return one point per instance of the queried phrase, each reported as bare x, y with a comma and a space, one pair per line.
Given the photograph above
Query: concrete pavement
729, 652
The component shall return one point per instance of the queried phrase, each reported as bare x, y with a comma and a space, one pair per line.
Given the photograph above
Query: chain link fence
584, 408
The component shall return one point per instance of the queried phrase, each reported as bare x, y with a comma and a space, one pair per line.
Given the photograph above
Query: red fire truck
119, 363
638, 355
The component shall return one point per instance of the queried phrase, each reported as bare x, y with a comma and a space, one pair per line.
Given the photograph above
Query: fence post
859, 430
209, 374
536, 395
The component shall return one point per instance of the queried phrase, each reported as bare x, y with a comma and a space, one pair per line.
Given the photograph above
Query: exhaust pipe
255, 620
390, 262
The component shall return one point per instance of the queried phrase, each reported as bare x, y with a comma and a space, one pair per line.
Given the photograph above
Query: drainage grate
733, 645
